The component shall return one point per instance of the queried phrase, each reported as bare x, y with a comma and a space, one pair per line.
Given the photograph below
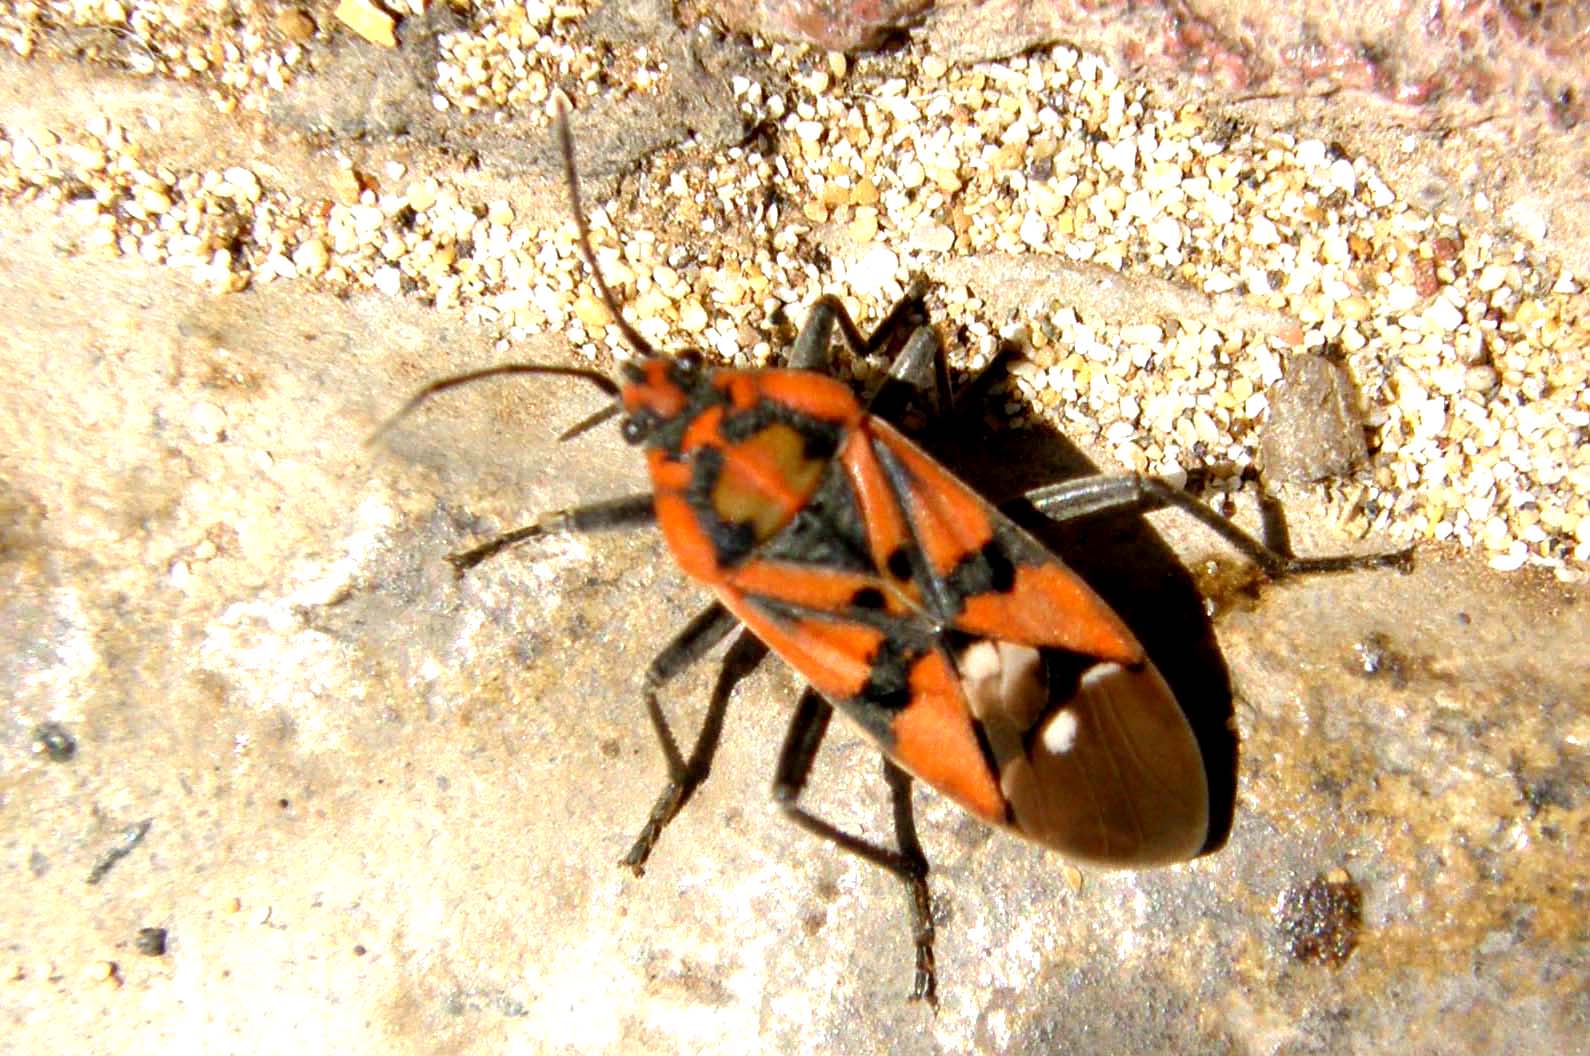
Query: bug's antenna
637, 343
601, 381
560, 121
589, 423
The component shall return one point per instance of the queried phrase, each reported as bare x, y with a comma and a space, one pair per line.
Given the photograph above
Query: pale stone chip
369, 21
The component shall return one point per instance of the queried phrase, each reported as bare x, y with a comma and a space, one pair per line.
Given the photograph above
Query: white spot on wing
1099, 673
980, 660
1060, 735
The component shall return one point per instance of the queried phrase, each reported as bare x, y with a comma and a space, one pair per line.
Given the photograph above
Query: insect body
972, 655
974, 658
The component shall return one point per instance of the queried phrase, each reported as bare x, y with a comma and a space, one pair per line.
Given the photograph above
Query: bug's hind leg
685, 775
1090, 496
908, 863
631, 511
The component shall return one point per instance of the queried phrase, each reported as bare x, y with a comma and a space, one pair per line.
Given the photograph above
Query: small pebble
367, 20
295, 24
1314, 431
206, 422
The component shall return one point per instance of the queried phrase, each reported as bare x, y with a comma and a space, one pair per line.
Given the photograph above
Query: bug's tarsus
807, 728
465, 560
925, 985
571, 177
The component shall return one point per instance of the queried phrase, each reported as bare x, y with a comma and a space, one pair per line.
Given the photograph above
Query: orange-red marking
934, 739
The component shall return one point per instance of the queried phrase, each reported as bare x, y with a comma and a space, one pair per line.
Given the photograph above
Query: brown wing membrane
1110, 773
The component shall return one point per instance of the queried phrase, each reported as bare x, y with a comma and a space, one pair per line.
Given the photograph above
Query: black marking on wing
937, 597
887, 690
988, 571
868, 598
903, 561
888, 687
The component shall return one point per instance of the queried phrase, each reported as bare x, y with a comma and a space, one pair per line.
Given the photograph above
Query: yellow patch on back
765, 479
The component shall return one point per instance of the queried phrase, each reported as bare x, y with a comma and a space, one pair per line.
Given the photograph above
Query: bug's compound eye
689, 361
637, 427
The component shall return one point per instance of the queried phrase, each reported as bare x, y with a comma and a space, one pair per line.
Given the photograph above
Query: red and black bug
975, 659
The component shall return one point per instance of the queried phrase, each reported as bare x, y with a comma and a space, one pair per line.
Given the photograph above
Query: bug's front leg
920, 370
908, 863
813, 347
631, 511
685, 775
1091, 496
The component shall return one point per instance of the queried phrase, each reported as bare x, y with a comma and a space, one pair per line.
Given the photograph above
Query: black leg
975, 393
811, 350
1088, 496
709, 627
920, 369
631, 511
908, 863
918, 365
813, 346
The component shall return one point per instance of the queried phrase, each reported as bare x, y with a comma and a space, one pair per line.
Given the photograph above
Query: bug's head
658, 392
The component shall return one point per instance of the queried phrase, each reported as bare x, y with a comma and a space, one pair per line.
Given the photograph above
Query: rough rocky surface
377, 809
1453, 100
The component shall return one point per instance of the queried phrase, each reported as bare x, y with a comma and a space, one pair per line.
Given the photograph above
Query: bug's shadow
1131, 567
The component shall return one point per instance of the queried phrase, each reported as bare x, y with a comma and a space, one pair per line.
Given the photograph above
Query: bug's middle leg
685, 774
908, 863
